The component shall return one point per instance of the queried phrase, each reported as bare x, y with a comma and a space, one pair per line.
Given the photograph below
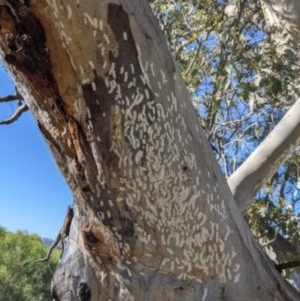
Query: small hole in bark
91, 239
180, 288
223, 291
85, 189
54, 296
184, 168
84, 292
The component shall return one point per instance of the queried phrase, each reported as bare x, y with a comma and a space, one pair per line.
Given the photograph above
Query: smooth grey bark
261, 165
154, 218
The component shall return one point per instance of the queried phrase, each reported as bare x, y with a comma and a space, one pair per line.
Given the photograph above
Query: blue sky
33, 194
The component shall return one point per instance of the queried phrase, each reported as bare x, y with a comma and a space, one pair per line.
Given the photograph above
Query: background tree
124, 138
20, 277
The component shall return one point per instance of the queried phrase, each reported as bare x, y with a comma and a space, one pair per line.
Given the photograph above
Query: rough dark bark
154, 218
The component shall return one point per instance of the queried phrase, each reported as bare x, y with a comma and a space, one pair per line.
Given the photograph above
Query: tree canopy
21, 278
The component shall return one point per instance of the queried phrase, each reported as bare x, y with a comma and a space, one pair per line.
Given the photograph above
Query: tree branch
288, 265
261, 165
9, 98
284, 14
20, 110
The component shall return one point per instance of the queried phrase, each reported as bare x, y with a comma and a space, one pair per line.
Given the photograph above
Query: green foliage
21, 279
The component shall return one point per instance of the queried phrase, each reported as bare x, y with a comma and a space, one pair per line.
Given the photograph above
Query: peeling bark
154, 218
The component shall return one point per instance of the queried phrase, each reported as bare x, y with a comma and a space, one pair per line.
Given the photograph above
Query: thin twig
11, 98
20, 110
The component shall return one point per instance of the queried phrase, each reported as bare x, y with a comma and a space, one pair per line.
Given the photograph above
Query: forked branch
22, 107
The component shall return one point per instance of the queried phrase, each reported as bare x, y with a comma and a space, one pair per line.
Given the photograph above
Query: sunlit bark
262, 164
154, 218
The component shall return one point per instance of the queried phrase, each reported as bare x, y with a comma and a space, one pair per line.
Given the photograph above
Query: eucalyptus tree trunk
154, 218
